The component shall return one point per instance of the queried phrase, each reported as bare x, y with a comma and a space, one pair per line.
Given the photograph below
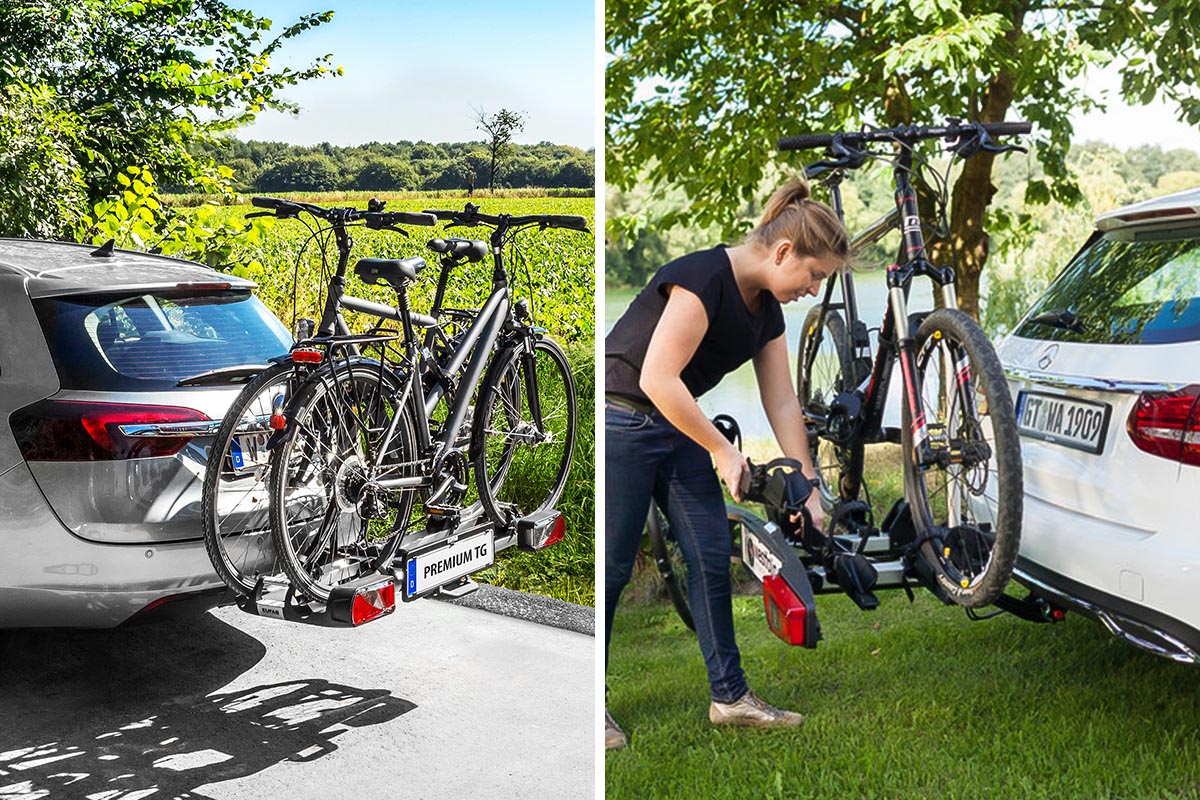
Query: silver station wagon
115, 370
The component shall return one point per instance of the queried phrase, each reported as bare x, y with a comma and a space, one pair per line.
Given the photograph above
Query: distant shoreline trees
405, 165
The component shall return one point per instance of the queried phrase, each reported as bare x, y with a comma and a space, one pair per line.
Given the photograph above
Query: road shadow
133, 713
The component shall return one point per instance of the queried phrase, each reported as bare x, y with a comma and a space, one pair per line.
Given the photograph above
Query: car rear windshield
1126, 287
152, 340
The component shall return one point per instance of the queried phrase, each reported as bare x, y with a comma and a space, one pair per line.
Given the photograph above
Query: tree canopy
113, 84
697, 91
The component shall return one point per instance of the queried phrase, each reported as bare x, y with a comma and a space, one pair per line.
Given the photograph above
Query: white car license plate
248, 452
437, 567
1080, 424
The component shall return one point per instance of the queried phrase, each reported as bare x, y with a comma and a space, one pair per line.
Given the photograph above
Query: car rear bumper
51, 578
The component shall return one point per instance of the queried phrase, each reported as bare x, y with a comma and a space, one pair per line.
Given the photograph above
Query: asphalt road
438, 700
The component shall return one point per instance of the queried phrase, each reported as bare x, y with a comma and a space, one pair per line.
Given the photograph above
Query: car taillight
74, 430
1167, 424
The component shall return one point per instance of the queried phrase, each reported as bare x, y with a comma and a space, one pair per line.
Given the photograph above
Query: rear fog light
786, 613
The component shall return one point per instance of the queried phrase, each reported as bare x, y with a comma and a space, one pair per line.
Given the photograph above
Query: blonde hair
811, 227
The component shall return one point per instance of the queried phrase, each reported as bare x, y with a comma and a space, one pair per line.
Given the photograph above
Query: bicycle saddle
472, 250
392, 271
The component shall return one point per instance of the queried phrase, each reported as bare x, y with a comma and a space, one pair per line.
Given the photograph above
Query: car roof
1178, 207
60, 268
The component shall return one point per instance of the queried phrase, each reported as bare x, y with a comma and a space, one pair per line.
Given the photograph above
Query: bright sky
1125, 127
414, 70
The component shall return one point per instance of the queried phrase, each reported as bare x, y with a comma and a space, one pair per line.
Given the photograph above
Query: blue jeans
645, 457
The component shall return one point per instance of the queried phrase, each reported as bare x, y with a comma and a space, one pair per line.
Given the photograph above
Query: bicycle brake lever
400, 231
254, 214
1004, 148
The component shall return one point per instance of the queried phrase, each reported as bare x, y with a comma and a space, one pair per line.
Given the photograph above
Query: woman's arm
678, 334
779, 400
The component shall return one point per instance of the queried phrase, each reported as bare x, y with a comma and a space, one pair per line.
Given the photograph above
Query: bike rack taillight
787, 615
539, 531
357, 605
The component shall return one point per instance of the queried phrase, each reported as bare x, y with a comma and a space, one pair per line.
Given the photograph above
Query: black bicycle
359, 453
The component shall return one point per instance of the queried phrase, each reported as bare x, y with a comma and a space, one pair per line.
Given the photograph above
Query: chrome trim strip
1182, 653
1092, 384
172, 429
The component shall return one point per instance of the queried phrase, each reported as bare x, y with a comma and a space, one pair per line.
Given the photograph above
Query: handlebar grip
268, 202
440, 214
806, 141
1007, 128
566, 221
412, 218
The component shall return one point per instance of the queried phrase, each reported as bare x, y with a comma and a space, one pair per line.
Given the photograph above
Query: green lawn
907, 701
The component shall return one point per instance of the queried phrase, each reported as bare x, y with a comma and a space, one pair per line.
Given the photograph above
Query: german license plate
431, 569
1080, 424
248, 452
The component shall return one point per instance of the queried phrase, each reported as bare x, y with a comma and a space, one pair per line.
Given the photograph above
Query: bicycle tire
238, 541
670, 564
505, 440
824, 369
973, 553
327, 525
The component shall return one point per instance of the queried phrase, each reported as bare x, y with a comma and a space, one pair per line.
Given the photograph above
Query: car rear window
1126, 287
152, 340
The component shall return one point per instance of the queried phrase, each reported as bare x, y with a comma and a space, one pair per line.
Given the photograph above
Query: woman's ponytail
811, 227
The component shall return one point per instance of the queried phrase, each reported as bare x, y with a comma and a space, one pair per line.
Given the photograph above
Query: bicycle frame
896, 334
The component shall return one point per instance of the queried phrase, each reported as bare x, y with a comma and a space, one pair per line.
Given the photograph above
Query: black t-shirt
734, 335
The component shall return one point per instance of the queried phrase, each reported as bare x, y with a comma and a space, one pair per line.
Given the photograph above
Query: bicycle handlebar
372, 219
905, 133
471, 215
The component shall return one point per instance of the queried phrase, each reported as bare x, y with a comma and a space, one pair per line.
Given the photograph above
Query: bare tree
500, 128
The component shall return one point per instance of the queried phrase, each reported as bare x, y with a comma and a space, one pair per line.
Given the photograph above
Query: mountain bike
359, 452
960, 523
234, 507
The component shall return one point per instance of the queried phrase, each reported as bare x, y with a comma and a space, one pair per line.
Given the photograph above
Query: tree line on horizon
260, 166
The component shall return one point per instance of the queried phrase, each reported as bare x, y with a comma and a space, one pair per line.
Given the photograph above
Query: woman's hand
732, 467
814, 509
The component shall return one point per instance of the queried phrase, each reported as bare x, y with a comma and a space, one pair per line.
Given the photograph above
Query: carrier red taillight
786, 612
1167, 424
74, 430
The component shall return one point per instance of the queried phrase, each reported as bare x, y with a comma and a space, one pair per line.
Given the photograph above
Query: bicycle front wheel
963, 483
522, 453
330, 522
235, 505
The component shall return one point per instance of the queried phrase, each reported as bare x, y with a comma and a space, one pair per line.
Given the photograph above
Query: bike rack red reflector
786, 613
372, 602
307, 356
559, 532
277, 422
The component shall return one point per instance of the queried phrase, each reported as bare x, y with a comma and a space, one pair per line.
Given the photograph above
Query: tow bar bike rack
416, 572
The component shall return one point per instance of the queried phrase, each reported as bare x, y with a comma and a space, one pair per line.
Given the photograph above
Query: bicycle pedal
441, 517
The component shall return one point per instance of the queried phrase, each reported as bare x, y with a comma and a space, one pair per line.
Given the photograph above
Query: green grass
906, 701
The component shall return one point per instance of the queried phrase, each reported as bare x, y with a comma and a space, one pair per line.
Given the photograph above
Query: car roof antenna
105, 250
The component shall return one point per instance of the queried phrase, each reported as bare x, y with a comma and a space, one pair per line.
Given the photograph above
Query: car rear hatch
1105, 372
146, 375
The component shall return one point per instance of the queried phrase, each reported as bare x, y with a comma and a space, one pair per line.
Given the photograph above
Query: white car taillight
1167, 424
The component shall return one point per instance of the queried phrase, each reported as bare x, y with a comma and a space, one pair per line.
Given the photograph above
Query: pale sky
414, 70
1125, 127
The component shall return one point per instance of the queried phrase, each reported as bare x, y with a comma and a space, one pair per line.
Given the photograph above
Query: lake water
737, 394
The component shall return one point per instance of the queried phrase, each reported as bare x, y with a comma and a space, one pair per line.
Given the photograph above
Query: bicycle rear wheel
669, 561
235, 505
823, 371
329, 523
521, 463
966, 499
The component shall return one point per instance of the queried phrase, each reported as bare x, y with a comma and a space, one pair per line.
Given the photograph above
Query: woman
701, 317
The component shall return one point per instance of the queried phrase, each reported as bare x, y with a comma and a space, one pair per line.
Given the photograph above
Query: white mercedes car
1105, 372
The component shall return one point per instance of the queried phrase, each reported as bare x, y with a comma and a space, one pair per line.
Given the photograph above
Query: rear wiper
224, 375
1059, 318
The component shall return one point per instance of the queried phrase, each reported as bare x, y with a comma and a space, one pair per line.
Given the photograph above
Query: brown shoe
614, 737
752, 711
